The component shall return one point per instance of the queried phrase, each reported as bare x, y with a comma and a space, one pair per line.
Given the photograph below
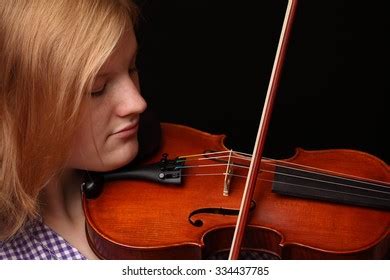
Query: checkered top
38, 242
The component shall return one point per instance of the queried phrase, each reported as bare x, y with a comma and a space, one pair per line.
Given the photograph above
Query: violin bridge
228, 175
226, 185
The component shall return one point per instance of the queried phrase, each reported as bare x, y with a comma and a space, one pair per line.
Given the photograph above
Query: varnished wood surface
140, 220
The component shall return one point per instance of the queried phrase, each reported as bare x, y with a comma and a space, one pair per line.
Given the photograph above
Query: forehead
122, 55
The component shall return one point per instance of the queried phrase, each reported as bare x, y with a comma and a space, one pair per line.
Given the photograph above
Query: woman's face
107, 136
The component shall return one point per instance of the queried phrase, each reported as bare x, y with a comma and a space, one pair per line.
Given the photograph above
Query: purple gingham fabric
38, 242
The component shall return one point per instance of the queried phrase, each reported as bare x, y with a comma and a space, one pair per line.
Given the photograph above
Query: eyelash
101, 92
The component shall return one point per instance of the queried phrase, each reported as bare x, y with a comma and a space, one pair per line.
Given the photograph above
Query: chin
110, 159
120, 157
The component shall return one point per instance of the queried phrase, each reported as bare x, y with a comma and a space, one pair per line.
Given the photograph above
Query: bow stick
262, 131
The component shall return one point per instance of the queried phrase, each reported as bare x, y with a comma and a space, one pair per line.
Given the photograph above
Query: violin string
321, 171
277, 181
214, 153
290, 175
331, 175
310, 187
202, 155
220, 155
211, 165
212, 174
211, 158
288, 167
339, 175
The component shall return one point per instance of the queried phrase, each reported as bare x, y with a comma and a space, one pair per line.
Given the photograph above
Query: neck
61, 200
61, 210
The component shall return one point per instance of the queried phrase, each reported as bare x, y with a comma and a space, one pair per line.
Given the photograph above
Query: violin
195, 197
329, 204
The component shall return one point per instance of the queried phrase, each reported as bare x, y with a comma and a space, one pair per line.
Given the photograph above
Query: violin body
137, 219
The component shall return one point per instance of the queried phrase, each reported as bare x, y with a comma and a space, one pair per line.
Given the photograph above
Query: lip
127, 131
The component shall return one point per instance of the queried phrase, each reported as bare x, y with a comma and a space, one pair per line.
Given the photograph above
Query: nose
130, 100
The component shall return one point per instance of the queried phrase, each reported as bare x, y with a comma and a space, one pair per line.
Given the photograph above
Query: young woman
69, 100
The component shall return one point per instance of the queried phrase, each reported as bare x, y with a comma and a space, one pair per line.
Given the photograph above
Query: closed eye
98, 92
133, 70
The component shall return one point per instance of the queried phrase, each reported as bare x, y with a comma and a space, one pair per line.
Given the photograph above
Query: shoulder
25, 246
38, 242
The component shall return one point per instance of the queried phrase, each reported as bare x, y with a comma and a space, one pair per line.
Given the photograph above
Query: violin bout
141, 219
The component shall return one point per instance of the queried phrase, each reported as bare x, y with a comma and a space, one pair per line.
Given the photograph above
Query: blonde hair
50, 52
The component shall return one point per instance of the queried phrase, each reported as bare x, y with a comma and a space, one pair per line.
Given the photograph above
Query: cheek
83, 150
100, 155
94, 149
87, 142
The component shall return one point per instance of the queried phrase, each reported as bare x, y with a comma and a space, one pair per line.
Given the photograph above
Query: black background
207, 63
